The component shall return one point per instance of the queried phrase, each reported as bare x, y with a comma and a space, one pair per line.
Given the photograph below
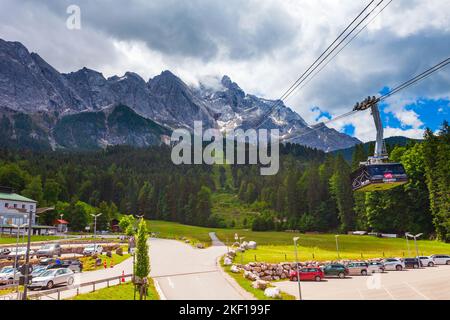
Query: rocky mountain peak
232, 86
29, 85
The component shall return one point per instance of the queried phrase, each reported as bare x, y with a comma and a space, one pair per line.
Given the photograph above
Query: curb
245, 294
158, 289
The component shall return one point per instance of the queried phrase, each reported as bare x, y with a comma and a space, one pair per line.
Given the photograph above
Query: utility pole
298, 269
337, 247
415, 243
243, 250
95, 229
407, 244
27, 261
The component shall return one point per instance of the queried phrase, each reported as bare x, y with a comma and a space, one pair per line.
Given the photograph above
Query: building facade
16, 209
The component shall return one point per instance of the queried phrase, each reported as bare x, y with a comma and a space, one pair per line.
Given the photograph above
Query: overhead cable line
319, 60
392, 92
340, 50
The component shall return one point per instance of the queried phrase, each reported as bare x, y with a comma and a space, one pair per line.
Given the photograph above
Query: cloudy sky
263, 45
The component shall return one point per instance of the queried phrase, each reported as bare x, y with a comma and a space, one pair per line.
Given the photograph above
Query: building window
31, 207
6, 205
23, 206
15, 205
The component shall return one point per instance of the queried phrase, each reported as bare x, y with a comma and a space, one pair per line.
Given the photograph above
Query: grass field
120, 292
7, 239
278, 246
89, 262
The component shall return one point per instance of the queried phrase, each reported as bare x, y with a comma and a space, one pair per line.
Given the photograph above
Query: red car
307, 274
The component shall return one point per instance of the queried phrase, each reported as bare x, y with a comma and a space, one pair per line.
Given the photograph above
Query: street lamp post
407, 244
17, 249
242, 252
1, 223
95, 216
23, 234
415, 243
337, 247
298, 268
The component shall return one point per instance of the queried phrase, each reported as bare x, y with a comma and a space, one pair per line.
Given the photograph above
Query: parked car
38, 270
46, 261
335, 270
92, 249
440, 259
4, 252
20, 253
74, 265
357, 269
7, 275
49, 250
412, 263
375, 267
51, 278
426, 261
307, 274
394, 264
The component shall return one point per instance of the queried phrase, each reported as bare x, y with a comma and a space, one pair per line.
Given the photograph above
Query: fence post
59, 295
107, 283
78, 291
285, 257
93, 287
255, 258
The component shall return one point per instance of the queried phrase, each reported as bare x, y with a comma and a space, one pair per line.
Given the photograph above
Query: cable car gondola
377, 174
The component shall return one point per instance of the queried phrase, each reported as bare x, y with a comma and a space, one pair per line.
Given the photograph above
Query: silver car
357, 269
52, 278
375, 267
20, 252
394, 264
49, 250
7, 275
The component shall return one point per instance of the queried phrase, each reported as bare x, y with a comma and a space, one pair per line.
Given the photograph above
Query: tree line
312, 191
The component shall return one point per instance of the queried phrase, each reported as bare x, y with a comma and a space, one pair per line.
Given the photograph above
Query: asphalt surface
180, 271
183, 272
424, 284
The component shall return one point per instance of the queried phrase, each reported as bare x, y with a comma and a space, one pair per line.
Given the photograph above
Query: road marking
183, 274
171, 284
417, 291
161, 294
390, 294
361, 295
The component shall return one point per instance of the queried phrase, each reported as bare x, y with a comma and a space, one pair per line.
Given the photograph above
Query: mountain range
42, 108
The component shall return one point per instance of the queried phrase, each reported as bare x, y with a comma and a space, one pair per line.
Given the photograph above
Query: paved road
187, 273
126, 267
181, 272
423, 284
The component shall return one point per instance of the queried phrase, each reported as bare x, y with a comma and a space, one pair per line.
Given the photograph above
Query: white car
7, 275
393, 264
51, 278
20, 253
441, 259
375, 267
92, 249
426, 261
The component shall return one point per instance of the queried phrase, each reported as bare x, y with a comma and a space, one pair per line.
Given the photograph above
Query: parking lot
424, 284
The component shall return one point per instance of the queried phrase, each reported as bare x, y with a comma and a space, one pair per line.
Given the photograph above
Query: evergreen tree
142, 258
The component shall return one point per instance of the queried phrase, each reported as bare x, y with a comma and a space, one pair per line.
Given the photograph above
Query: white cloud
262, 45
